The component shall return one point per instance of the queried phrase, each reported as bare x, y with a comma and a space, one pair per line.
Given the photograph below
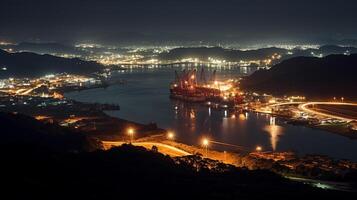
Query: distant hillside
46, 48
328, 77
27, 64
220, 53
21, 130
204, 53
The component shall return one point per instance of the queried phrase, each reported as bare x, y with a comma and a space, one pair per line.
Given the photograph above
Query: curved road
163, 148
305, 108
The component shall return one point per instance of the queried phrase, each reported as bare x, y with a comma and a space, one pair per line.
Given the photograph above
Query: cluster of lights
171, 136
25, 86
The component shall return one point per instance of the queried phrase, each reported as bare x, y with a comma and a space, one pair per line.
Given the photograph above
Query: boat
188, 87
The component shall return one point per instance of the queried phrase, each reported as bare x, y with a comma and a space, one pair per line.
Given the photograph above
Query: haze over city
242, 22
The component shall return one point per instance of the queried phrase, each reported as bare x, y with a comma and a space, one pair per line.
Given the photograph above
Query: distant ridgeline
27, 64
327, 77
203, 53
44, 48
232, 55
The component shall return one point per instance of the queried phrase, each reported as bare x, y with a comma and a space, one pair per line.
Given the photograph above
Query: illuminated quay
189, 86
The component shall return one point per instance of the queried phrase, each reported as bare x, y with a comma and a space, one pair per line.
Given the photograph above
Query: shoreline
153, 129
94, 122
295, 122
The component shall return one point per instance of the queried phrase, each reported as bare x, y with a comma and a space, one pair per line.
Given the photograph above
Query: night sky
115, 21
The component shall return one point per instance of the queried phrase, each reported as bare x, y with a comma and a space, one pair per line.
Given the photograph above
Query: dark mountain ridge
26, 64
327, 77
203, 53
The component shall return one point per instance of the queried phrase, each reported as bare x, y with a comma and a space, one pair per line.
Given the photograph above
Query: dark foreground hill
328, 77
27, 64
35, 171
21, 130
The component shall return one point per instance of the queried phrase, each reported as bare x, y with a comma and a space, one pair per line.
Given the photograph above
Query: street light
205, 143
131, 133
259, 148
170, 135
342, 98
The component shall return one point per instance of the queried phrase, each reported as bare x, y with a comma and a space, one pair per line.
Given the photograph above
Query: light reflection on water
275, 131
145, 99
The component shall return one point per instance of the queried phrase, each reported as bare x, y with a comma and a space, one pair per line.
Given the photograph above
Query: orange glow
41, 117
259, 148
205, 142
241, 116
170, 135
130, 131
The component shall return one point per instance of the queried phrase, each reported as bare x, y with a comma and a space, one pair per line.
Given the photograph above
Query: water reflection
192, 114
275, 132
242, 117
145, 99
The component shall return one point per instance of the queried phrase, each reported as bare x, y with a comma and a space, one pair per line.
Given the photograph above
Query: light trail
277, 105
30, 90
179, 151
305, 108
20, 91
286, 103
173, 150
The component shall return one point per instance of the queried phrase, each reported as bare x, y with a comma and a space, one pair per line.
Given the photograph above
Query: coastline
109, 128
331, 129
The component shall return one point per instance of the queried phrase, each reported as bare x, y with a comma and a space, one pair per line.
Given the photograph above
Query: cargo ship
191, 86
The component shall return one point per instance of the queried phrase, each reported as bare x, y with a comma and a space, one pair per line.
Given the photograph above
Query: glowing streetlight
342, 99
170, 135
259, 148
205, 143
131, 133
